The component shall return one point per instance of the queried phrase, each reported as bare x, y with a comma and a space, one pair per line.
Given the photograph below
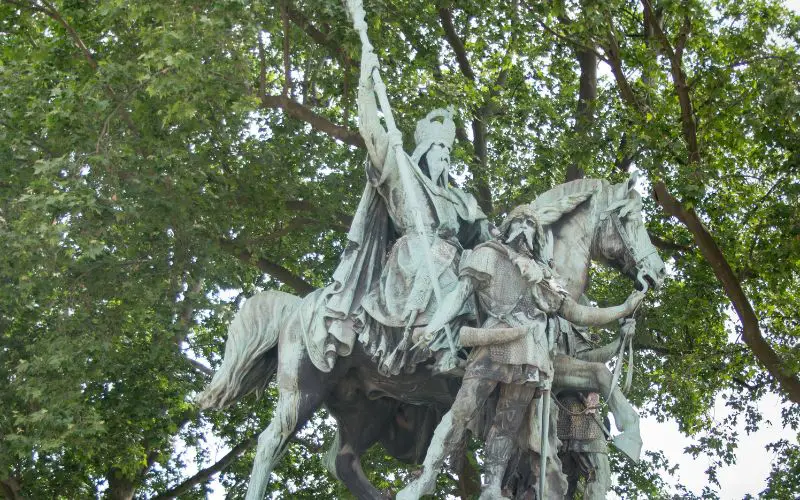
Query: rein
632, 263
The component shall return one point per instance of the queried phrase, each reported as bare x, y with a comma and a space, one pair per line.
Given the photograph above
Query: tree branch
308, 444
752, 336
297, 110
200, 366
688, 124
480, 115
751, 331
615, 62
120, 487
206, 474
262, 70
574, 42
50, 11
342, 221
750, 387
287, 69
584, 114
446, 18
317, 122
35, 141
322, 38
277, 271
666, 245
10, 488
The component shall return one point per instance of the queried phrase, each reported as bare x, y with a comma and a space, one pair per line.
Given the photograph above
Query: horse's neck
572, 237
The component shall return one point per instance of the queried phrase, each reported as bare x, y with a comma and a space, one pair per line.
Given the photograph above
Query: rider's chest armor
509, 302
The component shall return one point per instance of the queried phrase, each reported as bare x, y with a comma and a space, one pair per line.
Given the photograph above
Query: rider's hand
627, 329
530, 270
369, 62
395, 138
633, 301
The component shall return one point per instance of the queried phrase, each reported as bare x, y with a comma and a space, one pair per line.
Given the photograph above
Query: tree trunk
587, 97
119, 487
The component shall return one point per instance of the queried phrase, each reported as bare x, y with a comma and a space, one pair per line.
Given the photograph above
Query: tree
156, 156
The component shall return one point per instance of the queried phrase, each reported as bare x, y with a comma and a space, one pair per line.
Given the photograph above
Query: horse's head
621, 238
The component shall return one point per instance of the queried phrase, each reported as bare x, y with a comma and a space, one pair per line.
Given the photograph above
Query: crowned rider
409, 209
519, 296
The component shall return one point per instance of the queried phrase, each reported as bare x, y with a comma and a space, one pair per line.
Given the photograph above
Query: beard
522, 237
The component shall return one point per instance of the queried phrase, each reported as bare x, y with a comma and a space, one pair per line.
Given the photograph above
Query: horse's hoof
630, 444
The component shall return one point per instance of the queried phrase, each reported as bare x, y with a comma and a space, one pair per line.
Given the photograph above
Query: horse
264, 338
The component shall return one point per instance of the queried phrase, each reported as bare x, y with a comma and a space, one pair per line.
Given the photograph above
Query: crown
437, 127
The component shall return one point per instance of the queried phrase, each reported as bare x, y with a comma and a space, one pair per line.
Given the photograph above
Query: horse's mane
569, 189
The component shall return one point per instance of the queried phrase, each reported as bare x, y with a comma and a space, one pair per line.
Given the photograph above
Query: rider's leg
448, 435
598, 481
556, 486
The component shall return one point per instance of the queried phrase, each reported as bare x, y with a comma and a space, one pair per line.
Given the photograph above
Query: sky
753, 461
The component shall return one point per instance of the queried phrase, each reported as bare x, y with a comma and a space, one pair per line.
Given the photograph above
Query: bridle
632, 260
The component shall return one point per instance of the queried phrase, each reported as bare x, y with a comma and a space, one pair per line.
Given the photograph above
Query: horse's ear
632, 180
627, 196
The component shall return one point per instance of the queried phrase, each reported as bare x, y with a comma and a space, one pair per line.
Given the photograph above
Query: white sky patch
753, 462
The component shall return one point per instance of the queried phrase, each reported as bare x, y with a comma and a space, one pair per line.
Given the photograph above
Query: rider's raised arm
596, 316
369, 123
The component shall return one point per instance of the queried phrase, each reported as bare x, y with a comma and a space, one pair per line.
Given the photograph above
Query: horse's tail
250, 358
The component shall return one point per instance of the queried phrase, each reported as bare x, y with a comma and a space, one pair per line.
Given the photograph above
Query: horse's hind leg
301, 389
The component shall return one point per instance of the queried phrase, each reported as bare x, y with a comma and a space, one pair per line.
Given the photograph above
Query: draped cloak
382, 274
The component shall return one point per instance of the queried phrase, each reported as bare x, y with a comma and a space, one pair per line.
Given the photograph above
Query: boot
498, 451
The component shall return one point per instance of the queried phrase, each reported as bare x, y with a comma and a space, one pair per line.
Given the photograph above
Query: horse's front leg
273, 440
359, 431
574, 374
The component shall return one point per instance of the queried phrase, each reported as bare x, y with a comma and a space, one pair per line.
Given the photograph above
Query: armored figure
519, 298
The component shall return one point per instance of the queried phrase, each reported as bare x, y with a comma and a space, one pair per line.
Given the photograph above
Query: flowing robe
374, 293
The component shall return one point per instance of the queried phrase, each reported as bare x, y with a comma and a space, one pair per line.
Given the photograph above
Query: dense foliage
159, 158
